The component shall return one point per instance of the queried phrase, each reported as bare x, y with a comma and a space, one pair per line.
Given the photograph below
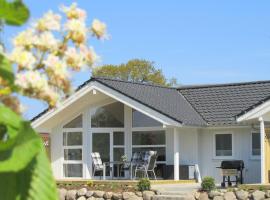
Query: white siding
56, 153
241, 138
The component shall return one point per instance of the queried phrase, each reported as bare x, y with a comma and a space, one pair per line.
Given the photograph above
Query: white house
190, 125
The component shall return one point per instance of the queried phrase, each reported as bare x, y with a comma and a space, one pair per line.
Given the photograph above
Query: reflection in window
72, 138
73, 170
75, 123
111, 115
161, 151
141, 120
118, 138
148, 138
73, 154
223, 144
256, 144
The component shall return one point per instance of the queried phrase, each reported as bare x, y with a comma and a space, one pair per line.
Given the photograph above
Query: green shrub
144, 184
208, 183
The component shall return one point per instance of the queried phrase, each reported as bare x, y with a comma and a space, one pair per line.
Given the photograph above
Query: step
172, 197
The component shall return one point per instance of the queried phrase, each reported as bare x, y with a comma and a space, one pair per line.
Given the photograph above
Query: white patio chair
135, 160
148, 164
97, 163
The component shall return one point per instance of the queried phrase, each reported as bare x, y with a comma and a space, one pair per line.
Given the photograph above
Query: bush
144, 184
208, 183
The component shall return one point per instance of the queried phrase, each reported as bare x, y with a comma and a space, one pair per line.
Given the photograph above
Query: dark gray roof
165, 100
201, 105
221, 104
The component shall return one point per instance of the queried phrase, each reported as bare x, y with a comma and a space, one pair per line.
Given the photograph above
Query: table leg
118, 170
131, 171
104, 171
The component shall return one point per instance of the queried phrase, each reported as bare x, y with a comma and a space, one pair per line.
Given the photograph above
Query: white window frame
214, 146
66, 130
254, 157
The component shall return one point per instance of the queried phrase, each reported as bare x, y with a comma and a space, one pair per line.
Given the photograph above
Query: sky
197, 42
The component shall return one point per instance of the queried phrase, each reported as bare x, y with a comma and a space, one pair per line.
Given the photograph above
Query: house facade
190, 127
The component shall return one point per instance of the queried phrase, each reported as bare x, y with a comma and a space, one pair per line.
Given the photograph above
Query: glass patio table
117, 163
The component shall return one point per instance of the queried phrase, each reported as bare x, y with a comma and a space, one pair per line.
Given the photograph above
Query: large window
223, 145
154, 140
72, 143
255, 144
141, 120
111, 115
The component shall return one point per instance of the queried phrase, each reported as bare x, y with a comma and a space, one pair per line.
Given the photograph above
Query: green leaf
6, 71
27, 144
35, 182
14, 12
21, 144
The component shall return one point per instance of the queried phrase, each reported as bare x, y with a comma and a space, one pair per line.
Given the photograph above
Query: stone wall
84, 194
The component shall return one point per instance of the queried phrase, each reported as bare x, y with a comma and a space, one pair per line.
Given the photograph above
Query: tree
138, 70
39, 67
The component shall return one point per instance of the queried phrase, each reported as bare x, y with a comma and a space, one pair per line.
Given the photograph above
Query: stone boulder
241, 195
147, 195
71, 195
89, 194
117, 196
229, 196
91, 198
214, 193
62, 192
203, 196
82, 192
218, 198
98, 194
129, 195
81, 198
138, 193
258, 195
267, 194
108, 195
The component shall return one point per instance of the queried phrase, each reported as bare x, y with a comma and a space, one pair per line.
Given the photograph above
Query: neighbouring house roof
200, 105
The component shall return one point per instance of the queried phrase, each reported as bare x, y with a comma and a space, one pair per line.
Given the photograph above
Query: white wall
195, 147
242, 151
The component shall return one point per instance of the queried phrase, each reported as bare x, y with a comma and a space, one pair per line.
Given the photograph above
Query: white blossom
56, 66
25, 38
74, 58
50, 21
99, 29
23, 58
89, 55
46, 41
73, 12
31, 79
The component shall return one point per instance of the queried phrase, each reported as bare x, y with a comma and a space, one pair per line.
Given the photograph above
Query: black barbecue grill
232, 168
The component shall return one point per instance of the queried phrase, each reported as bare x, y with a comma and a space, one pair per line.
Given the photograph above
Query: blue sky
195, 41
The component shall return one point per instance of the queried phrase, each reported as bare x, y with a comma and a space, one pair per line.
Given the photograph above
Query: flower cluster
47, 52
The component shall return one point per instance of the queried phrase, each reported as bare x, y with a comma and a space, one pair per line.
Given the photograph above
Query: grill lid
232, 164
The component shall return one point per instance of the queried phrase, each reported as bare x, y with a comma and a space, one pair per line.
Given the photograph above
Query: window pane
118, 138
141, 120
118, 153
256, 144
72, 138
75, 123
101, 144
111, 115
73, 170
73, 154
161, 152
148, 138
223, 145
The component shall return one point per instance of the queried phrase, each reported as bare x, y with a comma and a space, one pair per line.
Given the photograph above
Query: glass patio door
101, 144
111, 147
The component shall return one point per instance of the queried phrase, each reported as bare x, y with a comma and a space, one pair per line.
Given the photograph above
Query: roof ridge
193, 107
221, 84
134, 82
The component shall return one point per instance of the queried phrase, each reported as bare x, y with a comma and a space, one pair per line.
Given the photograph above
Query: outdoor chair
97, 163
149, 159
136, 159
